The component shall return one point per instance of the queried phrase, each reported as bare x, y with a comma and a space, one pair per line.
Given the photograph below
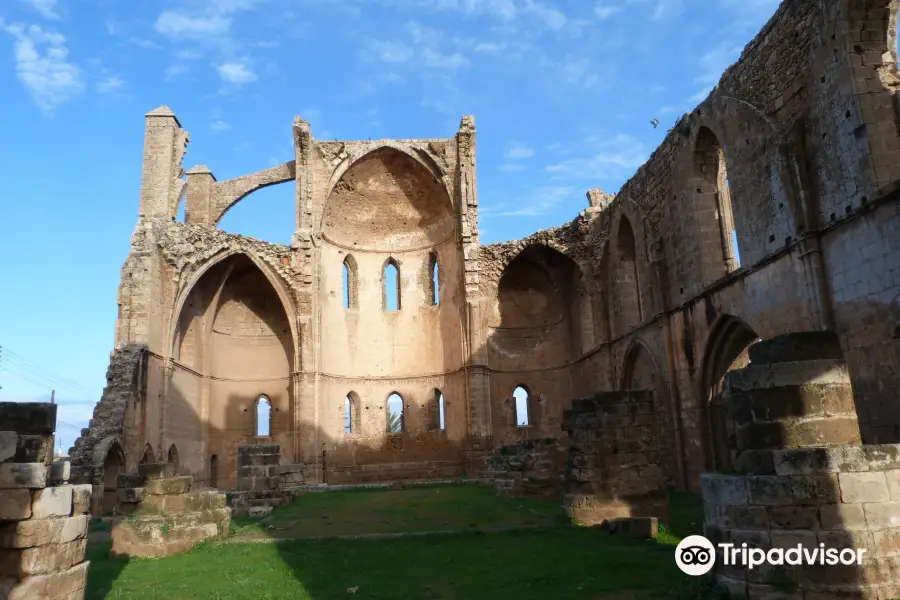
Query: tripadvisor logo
696, 555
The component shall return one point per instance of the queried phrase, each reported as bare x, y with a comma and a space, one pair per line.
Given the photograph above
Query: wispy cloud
219, 126
518, 151
45, 8
420, 49
539, 201
177, 24
711, 66
613, 158
237, 73
605, 10
110, 84
43, 66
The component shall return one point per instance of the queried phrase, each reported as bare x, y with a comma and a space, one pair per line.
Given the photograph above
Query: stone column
165, 143
199, 208
804, 479
43, 519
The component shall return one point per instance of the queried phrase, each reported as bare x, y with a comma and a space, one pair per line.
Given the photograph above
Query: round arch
278, 285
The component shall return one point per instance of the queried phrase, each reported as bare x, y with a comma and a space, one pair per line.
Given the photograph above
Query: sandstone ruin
43, 518
769, 209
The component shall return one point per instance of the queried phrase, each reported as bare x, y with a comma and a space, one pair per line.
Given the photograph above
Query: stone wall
103, 443
163, 515
613, 469
531, 468
795, 154
804, 479
43, 519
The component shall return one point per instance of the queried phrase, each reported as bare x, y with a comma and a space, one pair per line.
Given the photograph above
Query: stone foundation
163, 515
803, 478
530, 468
613, 469
43, 528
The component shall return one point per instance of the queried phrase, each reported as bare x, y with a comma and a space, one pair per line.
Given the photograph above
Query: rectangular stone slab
22, 475
41, 532
28, 418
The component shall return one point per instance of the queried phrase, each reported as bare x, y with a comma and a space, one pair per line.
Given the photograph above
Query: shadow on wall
795, 476
538, 327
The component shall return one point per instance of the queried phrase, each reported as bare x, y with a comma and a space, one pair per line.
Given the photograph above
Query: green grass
411, 510
561, 562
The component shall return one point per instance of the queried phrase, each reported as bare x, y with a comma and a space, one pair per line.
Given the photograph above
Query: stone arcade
770, 209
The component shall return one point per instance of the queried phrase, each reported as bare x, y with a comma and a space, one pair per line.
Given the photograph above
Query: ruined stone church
771, 208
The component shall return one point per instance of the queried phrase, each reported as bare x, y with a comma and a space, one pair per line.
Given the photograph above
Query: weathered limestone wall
163, 514
613, 469
43, 519
804, 477
527, 469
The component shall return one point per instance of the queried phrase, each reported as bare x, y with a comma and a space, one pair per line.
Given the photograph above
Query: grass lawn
458, 507
558, 563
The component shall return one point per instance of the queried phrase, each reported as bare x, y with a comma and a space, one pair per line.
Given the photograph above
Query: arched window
391, 285
263, 416
351, 413
147, 457
395, 413
434, 278
173, 456
627, 279
521, 396
351, 294
436, 411
719, 254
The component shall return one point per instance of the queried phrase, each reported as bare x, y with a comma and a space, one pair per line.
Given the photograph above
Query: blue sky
562, 92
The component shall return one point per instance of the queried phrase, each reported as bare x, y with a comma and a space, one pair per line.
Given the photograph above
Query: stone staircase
125, 382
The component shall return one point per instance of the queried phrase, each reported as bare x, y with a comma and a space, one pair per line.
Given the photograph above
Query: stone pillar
199, 207
165, 143
43, 519
803, 478
613, 469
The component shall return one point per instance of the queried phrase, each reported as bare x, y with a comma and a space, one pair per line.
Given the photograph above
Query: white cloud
421, 50
236, 73
489, 47
110, 84
579, 71
176, 24
604, 10
434, 59
509, 167
553, 18
219, 126
45, 8
539, 201
392, 52
616, 157
517, 151
43, 67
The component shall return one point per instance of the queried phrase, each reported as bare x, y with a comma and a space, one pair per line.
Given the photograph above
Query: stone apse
770, 208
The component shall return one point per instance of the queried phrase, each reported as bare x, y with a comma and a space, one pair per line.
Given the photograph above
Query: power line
10, 360
28, 363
